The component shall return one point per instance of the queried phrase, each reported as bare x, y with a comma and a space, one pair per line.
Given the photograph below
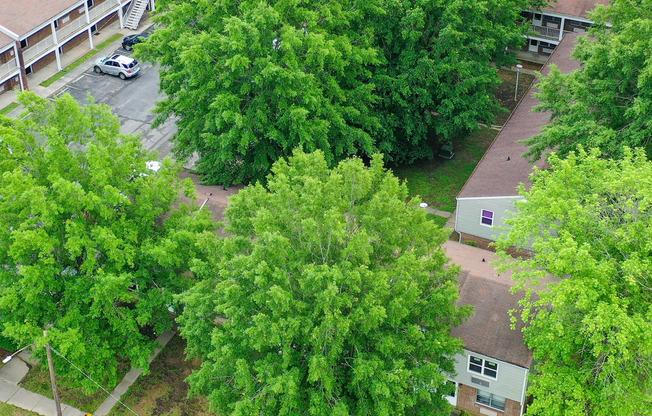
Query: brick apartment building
35, 33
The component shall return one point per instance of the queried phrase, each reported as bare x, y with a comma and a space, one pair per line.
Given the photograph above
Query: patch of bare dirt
164, 391
507, 95
213, 197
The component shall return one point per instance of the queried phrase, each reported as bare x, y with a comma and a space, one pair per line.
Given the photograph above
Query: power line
98, 384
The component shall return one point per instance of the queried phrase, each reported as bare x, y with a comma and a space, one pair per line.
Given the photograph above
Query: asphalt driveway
133, 100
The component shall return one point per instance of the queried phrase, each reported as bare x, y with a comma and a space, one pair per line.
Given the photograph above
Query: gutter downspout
523, 391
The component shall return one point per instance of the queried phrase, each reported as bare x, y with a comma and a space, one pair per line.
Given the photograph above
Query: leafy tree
250, 80
88, 245
588, 221
441, 69
607, 102
335, 298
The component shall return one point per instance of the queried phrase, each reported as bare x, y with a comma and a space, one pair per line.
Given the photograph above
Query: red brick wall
7, 56
35, 38
466, 401
106, 21
74, 42
51, 57
483, 243
72, 16
10, 84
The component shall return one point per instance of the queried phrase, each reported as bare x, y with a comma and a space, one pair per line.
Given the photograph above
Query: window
56, 24
89, 3
487, 218
484, 367
23, 44
491, 400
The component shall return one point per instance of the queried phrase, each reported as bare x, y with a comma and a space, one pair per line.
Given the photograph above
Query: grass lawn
440, 221
8, 108
438, 181
163, 392
9, 410
38, 381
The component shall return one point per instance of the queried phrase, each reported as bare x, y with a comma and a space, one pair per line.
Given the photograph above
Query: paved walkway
15, 370
11, 374
131, 377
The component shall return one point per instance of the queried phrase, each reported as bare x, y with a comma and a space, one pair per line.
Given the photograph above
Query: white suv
120, 65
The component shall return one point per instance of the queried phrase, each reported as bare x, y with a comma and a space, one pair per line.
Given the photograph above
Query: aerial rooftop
502, 167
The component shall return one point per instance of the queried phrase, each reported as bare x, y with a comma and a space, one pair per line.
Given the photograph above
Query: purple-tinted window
487, 218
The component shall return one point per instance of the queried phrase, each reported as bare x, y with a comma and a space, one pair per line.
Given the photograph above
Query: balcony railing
546, 32
71, 29
97, 12
36, 51
7, 68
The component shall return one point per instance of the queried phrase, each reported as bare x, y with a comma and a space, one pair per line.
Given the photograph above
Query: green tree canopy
441, 69
88, 245
250, 80
335, 298
607, 103
588, 221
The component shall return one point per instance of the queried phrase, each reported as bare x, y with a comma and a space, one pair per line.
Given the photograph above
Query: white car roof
122, 59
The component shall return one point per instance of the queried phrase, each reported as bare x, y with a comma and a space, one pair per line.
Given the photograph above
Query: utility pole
53, 379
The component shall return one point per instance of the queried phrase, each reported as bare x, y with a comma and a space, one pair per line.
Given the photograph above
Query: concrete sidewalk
11, 374
131, 377
15, 370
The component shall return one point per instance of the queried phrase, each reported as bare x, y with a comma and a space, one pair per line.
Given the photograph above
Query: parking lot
132, 99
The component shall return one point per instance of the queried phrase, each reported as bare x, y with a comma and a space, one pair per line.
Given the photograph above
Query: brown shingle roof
495, 175
4, 41
488, 330
22, 16
577, 8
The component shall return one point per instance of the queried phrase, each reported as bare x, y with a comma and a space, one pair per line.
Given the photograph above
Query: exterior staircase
135, 13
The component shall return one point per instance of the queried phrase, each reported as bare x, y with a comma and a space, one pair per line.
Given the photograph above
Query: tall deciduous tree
335, 298
607, 103
588, 221
250, 80
88, 246
441, 69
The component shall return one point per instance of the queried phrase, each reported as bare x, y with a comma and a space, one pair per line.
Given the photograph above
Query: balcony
35, 52
99, 11
8, 69
71, 29
65, 33
544, 32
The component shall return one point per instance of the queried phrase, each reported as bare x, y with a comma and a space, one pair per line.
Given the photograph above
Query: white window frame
482, 217
90, 3
491, 397
483, 367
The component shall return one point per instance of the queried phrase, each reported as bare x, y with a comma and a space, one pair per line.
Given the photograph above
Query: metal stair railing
135, 14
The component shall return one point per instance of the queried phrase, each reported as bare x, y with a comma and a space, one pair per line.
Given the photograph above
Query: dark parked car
129, 41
